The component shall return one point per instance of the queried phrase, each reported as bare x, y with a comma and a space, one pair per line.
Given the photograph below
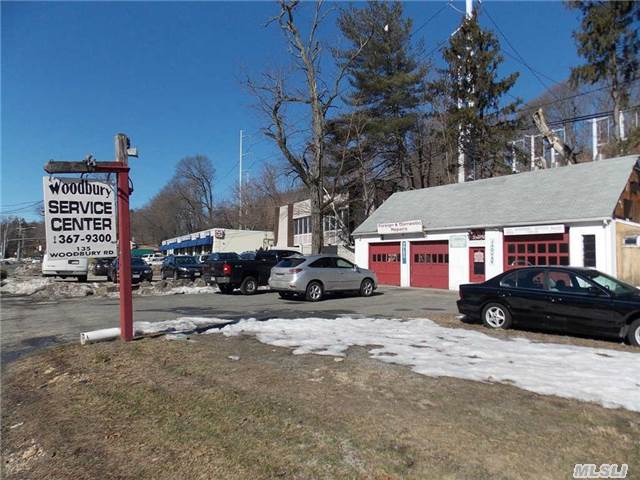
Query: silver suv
314, 275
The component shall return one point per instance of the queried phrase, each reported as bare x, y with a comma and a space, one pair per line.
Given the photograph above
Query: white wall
493, 253
283, 227
242, 240
605, 246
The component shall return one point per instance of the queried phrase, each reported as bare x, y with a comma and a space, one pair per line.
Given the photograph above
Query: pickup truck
247, 275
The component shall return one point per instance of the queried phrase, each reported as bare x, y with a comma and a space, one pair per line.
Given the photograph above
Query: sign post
124, 229
121, 168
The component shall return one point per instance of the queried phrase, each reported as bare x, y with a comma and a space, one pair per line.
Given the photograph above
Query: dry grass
158, 409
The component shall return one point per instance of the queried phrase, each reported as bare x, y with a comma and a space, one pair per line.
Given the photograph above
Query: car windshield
612, 284
138, 261
290, 262
185, 260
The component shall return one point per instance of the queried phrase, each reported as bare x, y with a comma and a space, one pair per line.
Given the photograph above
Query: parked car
100, 267
65, 267
180, 266
248, 255
579, 300
315, 275
140, 271
153, 258
247, 275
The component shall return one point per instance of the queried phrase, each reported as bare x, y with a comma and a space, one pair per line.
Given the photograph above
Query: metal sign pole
124, 238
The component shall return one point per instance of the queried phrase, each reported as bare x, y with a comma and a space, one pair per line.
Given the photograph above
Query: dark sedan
181, 266
578, 300
100, 266
140, 271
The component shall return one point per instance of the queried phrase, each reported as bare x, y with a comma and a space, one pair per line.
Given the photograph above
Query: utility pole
240, 185
462, 171
20, 240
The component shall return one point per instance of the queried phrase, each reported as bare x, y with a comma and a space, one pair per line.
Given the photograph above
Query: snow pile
24, 287
190, 290
608, 377
50, 288
182, 324
28, 269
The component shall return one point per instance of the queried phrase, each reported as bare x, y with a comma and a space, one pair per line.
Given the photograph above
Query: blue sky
169, 75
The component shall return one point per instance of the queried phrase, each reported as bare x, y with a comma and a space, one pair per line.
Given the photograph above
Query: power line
428, 20
535, 74
570, 97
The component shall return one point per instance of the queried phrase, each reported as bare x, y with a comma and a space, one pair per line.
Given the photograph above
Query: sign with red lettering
80, 218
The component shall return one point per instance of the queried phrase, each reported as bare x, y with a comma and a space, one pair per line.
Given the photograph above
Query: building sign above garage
410, 226
534, 230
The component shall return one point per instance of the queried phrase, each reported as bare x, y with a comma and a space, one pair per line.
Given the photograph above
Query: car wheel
366, 287
115, 278
496, 315
82, 278
249, 286
314, 291
634, 333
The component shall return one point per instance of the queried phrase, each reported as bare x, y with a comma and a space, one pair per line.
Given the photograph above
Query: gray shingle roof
577, 192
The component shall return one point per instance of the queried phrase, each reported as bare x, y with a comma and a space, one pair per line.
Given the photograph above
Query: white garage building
441, 237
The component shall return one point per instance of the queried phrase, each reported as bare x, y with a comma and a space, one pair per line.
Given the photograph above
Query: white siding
605, 246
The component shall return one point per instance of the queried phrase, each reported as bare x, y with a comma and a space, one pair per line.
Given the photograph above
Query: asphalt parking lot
28, 325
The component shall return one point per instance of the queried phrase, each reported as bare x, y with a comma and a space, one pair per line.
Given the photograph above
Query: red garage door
430, 264
530, 250
384, 259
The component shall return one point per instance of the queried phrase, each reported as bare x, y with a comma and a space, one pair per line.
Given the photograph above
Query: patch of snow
608, 377
190, 290
182, 324
25, 287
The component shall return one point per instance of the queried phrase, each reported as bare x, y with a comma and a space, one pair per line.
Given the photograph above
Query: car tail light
226, 269
295, 270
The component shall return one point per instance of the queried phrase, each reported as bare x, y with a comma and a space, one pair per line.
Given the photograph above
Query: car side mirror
596, 291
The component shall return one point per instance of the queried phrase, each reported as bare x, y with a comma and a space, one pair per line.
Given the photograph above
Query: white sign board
80, 218
534, 230
458, 241
411, 226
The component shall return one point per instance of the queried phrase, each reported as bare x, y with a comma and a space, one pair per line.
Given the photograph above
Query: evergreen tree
387, 81
608, 40
483, 123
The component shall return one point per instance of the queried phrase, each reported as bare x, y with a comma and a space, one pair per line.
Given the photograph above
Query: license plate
197, 274
136, 275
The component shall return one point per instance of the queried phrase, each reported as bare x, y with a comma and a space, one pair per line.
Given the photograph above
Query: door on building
430, 264
476, 265
384, 260
536, 250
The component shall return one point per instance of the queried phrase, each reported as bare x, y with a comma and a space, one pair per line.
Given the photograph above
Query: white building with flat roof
217, 240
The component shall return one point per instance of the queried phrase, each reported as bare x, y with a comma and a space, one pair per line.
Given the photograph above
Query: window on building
329, 223
301, 225
589, 250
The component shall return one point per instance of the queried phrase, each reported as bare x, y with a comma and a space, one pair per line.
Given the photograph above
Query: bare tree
275, 95
194, 179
